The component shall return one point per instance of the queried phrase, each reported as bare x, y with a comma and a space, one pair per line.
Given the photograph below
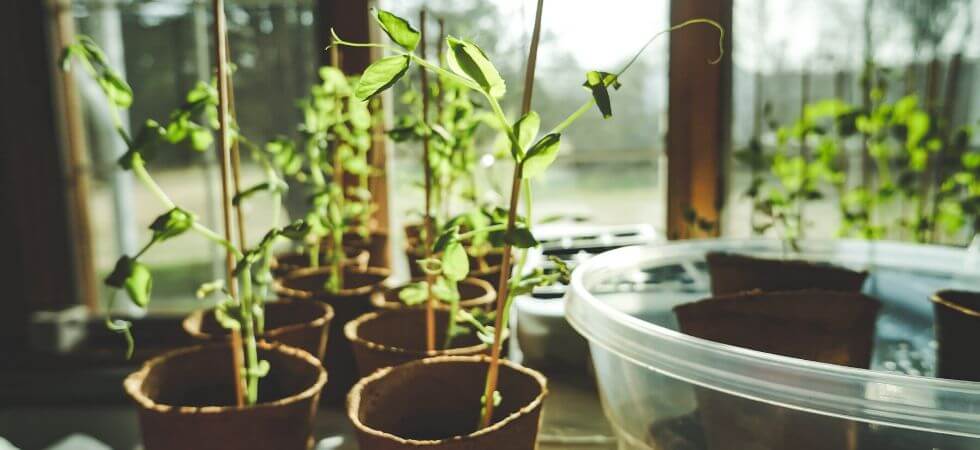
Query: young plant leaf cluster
336, 138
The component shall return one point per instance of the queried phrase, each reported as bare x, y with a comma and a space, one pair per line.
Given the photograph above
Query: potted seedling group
242, 392
495, 403
336, 137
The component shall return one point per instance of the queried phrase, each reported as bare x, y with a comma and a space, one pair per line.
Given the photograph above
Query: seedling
336, 137
531, 154
243, 314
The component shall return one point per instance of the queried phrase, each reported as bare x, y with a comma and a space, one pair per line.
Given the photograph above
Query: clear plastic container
653, 378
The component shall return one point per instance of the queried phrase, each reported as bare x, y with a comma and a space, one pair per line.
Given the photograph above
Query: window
166, 48
791, 54
608, 170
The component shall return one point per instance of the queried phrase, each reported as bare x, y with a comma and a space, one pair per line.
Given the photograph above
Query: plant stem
216, 238
139, 169
430, 315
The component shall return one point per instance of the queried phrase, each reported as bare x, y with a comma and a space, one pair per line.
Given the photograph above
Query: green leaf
414, 294
455, 263
448, 236
399, 30
469, 61
171, 223
116, 89
598, 83
201, 138
526, 130
381, 75
139, 283
297, 230
541, 155
520, 238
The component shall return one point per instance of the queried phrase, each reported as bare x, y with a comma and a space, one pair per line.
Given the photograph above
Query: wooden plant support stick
430, 315
224, 160
505, 266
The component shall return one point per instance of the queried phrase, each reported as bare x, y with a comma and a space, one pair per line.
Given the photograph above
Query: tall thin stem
222, 64
502, 292
430, 315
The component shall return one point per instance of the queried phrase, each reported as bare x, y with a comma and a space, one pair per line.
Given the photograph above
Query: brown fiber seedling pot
295, 323
348, 304
733, 273
473, 293
816, 325
434, 404
957, 325
376, 244
287, 262
186, 400
394, 337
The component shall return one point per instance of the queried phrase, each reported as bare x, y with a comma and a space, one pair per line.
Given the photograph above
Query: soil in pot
300, 324
435, 403
816, 325
957, 325
473, 292
348, 304
376, 244
397, 336
733, 273
186, 400
284, 263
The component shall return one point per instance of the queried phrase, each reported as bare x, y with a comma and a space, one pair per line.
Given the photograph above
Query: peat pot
815, 325
473, 293
186, 400
392, 337
664, 386
376, 244
348, 304
434, 404
731, 273
957, 334
300, 324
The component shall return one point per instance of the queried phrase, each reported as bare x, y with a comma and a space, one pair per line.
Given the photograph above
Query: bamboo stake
494, 370
224, 160
337, 241
78, 166
430, 315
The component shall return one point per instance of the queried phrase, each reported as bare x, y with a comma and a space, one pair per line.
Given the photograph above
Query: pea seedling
244, 314
532, 155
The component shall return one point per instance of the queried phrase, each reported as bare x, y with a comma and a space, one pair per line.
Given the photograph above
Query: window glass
607, 171
788, 54
165, 48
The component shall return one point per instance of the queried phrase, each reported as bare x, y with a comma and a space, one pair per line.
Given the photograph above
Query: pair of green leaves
134, 277
115, 88
464, 58
539, 155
